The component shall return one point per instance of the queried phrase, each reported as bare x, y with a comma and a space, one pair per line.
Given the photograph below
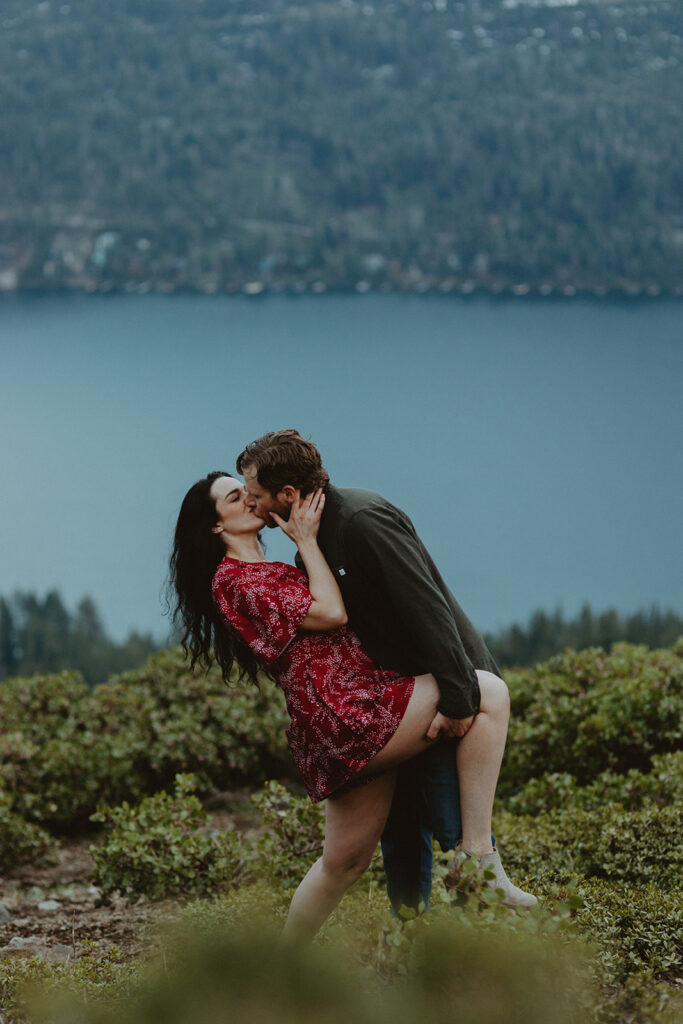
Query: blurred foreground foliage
242, 974
589, 818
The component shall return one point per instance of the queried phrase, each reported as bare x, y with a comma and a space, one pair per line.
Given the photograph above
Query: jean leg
440, 793
426, 802
407, 842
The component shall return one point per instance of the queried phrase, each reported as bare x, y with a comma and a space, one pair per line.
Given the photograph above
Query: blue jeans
426, 803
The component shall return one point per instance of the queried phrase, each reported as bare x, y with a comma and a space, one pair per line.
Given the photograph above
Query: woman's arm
327, 608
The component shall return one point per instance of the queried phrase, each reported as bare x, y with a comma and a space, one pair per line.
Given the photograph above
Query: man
407, 619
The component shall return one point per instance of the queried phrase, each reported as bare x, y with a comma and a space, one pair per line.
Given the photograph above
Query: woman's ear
218, 528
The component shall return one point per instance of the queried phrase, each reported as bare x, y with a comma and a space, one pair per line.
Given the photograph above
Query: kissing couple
398, 714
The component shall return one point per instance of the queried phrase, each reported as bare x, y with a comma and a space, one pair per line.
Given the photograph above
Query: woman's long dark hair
197, 553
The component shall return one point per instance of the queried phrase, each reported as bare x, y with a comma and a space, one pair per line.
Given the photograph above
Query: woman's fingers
304, 516
312, 503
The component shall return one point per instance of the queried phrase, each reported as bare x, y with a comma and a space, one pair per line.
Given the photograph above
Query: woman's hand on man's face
304, 518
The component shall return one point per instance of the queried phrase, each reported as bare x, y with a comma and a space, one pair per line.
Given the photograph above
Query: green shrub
629, 846
20, 841
42, 701
591, 712
293, 833
46, 761
190, 721
162, 848
637, 929
661, 786
65, 749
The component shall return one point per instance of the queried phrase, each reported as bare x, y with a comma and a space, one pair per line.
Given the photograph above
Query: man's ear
288, 494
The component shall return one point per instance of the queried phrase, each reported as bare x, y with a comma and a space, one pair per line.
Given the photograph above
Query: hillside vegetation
589, 817
213, 144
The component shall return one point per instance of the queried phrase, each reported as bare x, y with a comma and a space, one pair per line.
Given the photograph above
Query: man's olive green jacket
397, 603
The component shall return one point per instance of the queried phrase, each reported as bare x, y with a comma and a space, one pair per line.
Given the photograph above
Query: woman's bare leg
479, 757
479, 753
354, 821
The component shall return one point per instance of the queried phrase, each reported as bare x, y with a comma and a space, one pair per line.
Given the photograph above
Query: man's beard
282, 513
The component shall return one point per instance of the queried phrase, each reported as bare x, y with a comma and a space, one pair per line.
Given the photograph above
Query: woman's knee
348, 864
495, 696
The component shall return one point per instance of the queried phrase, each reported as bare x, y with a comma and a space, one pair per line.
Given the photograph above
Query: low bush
637, 930
661, 786
591, 814
51, 760
20, 841
191, 721
628, 846
292, 838
65, 749
592, 712
163, 848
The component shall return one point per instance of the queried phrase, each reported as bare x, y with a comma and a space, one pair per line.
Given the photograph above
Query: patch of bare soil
52, 910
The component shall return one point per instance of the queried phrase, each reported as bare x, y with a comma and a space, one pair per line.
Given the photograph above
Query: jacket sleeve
384, 551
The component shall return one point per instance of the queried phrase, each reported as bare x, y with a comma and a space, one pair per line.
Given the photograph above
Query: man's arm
383, 550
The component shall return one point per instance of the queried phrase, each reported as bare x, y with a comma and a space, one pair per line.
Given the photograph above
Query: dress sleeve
266, 608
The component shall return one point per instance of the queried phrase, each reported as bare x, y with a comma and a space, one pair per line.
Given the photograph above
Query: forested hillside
213, 144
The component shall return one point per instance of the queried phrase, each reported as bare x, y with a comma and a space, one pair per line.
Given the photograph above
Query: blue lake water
536, 444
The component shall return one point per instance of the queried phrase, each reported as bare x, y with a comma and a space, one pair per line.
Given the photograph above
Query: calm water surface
536, 444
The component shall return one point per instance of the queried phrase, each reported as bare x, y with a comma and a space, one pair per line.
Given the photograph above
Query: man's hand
450, 727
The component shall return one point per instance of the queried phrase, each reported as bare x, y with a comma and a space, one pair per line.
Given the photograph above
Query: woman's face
234, 516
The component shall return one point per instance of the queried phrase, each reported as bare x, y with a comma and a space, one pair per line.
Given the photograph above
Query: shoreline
263, 290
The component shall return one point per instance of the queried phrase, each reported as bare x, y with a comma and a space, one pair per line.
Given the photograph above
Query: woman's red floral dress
343, 709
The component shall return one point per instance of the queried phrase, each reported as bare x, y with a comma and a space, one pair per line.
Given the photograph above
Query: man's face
261, 501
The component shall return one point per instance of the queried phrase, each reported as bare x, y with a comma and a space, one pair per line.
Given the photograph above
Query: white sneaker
514, 896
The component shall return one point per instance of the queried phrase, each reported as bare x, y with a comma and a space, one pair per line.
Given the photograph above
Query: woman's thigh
410, 738
354, 820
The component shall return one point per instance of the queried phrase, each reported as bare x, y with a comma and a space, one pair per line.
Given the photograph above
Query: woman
351, 722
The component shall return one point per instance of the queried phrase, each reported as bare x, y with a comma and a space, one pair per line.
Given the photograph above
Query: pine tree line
548, 634
44, 636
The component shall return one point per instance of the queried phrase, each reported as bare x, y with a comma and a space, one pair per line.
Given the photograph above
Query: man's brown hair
284, 457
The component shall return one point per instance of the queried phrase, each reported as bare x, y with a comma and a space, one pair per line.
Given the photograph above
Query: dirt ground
52, 910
